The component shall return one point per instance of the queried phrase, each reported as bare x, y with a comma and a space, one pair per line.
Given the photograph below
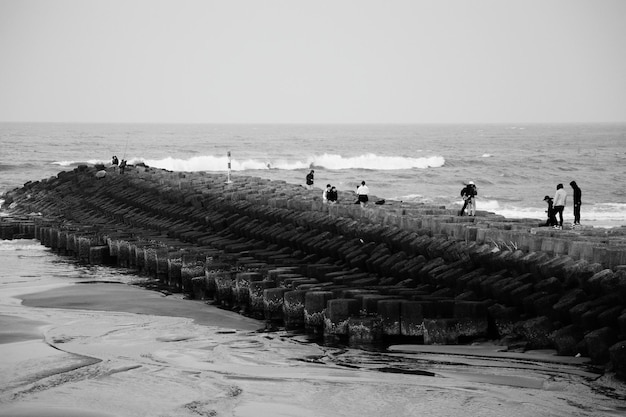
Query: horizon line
314, 123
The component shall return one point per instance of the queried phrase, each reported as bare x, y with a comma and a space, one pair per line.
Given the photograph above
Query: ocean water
514, 166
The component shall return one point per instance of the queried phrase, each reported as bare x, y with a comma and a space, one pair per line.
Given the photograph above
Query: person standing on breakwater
577, 202
310, 180
362, 191
332, 195
122, 166
551, 219
472, 191
325, 194
469, 194
560, 198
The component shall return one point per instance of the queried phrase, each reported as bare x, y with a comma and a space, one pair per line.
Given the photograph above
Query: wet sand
126, 298
17, 329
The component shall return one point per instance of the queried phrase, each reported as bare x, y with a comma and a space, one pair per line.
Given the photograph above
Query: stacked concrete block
337, 315
273, 304
315, 303
276, 252
256, 291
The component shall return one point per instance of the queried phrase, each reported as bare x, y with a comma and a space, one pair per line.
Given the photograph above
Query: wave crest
326, 161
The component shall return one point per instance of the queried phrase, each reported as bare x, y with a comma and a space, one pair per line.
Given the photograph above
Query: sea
81, 361
513, 165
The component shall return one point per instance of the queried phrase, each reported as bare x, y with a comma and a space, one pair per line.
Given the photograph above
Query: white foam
63, 163
601, 215
70, 163
411, 197
21, 244
373, 161
327, 161
488, 205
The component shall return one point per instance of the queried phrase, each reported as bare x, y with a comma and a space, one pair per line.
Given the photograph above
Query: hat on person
471, 183
546, 198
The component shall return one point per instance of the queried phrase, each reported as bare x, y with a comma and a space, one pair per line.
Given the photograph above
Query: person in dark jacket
310, 179
472, 193
469, 194
464, 196
551, 217
332, 195
577, 202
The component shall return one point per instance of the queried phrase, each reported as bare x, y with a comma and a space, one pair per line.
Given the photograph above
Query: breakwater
389, 272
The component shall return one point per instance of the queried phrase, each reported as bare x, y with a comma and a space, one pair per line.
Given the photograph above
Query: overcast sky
313, 61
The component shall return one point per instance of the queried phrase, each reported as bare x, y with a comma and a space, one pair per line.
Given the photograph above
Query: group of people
330, 195
557, 204
115, 162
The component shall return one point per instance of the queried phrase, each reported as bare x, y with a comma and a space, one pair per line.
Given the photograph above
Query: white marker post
228, 181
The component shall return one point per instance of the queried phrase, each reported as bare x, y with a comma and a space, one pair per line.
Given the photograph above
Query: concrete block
472, 319
198, 288
224, 285
273, 301
412, 318
537, 331
504, 318
389, 312
242, 288
364, 330
315, 310
293, 308
99, 255
568, 301
255, 295
338, 311
617, 357
441, 332
598, 343
567, 340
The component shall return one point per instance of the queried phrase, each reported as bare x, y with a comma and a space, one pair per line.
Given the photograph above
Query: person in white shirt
560, 199
362, 193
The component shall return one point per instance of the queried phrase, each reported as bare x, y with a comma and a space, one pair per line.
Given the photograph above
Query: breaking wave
598, 215
326, 161
71, 163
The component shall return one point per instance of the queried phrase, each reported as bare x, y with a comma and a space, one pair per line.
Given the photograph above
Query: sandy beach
111, 349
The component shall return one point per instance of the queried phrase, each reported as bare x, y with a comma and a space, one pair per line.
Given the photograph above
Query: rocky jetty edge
395, 272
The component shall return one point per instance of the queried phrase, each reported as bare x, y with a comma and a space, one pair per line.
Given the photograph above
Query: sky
313, 61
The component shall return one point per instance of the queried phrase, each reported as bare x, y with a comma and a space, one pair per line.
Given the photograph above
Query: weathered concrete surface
274, 250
